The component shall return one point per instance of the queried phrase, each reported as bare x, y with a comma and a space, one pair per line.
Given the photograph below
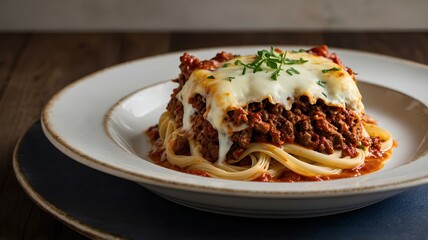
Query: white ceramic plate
99, 121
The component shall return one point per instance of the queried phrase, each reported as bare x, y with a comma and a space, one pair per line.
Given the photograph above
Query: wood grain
183, 41
48, 63
410, 46
138, 45
11, 47
35, 66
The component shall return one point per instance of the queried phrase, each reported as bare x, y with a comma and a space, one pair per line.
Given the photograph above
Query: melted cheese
222, 94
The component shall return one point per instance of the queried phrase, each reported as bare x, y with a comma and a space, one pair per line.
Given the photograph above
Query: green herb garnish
272, 60
275, 74
321, 83
362, 147
331, 69
225, 65
325, 95
298, 51
292, 70
211, 77
295, 61
230, 79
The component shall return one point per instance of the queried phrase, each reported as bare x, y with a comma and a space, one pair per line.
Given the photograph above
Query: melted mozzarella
230, 89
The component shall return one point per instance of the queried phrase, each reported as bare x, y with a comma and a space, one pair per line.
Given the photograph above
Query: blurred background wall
204, 15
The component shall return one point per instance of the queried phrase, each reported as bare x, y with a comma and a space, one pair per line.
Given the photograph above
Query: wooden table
35, 66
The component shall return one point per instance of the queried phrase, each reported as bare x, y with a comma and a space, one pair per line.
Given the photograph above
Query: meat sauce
318, 127
374, 162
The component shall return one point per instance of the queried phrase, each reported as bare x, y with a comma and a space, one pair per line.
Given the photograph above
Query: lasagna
272, 116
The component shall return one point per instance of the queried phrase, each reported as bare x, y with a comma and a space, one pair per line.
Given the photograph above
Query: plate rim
75, 224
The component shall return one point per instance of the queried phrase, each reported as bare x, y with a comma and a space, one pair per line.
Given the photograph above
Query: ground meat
317, 126
188, 64
153, 133
324, 52
181, 146
375, 148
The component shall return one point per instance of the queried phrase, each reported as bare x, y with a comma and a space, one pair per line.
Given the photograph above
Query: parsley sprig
272, 60
321, 83
292, 70
230, 79
299, 51
331, 69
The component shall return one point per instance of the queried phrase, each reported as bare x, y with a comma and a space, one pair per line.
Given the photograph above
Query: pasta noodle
252, 118
265, 157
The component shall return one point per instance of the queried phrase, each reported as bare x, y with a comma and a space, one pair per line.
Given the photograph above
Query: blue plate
103, 206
